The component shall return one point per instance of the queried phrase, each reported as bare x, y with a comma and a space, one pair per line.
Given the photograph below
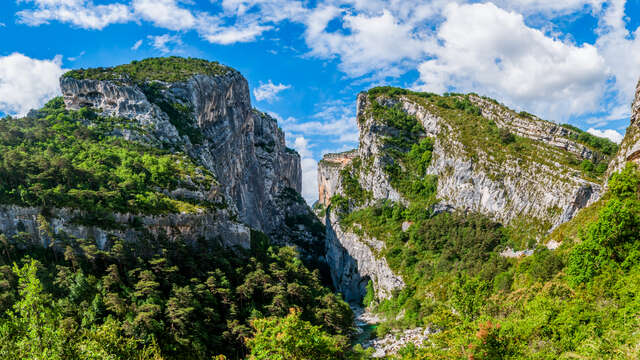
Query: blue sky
574, 61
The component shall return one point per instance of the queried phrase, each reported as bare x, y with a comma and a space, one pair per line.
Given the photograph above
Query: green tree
35, 324
291, 338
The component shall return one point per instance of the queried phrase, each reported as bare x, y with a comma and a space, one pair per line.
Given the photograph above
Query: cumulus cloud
610, 134
269, 91
165, 43
344, 130
492, 51
309, 170
454, 44
164, 13
336, 119
266, 10
81, 13
27, 83
550, 7
621, 50
370, 43
216, 31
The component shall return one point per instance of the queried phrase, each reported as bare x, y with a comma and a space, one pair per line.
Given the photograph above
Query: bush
370, 295
469, 295
625, 184
506, 137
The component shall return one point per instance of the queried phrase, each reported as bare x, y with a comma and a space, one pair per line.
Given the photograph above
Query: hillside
418, 218
151, 212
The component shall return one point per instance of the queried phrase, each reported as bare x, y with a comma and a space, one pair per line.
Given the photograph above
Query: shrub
469, 295
506, 137
370, 295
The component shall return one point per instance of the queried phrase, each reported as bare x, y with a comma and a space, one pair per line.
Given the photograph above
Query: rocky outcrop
540, 190
630, 146
354, 260
396, 340
329, 174
532, 127
208, 117
512, 188
218, 226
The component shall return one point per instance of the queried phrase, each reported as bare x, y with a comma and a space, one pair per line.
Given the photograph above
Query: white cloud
269, 91
74, 58
165, 13
309, 170
266, 10
621, 50
478, 47
27, 83
165, 43
137, 45
549, 7
371, 43
492, 51
336, 119
214, 30
610, 134
343, 130
81, 13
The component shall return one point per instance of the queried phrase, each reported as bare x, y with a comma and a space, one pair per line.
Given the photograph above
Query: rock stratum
630, 146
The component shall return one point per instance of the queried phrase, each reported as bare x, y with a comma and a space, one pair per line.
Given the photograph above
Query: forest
155, 298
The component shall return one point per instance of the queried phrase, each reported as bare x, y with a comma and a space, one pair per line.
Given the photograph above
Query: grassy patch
167, 69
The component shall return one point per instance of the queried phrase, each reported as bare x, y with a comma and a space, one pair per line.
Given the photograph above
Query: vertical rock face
516, 186
353, 262
630, 147
329, 174
189, 227
210, 118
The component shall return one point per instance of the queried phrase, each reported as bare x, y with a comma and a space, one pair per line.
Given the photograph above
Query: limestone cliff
520, 170
237, 173
210, 118
60, 223
353, 262
630, 146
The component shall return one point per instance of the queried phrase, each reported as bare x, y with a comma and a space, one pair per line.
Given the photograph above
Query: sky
569, 61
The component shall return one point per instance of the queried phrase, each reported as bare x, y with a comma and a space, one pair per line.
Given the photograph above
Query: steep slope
206, 113
236, 173
434, 153
630, 146
133, 214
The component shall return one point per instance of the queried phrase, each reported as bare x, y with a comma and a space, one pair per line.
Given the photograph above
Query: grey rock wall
212, 226
353, 261
243, 147
630, 146
516, 189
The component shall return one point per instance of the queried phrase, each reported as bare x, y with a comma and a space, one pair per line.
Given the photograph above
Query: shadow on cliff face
344, 268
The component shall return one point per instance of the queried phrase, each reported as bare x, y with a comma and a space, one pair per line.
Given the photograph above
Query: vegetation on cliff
167, 69
158, 296
62, 158
576, 301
